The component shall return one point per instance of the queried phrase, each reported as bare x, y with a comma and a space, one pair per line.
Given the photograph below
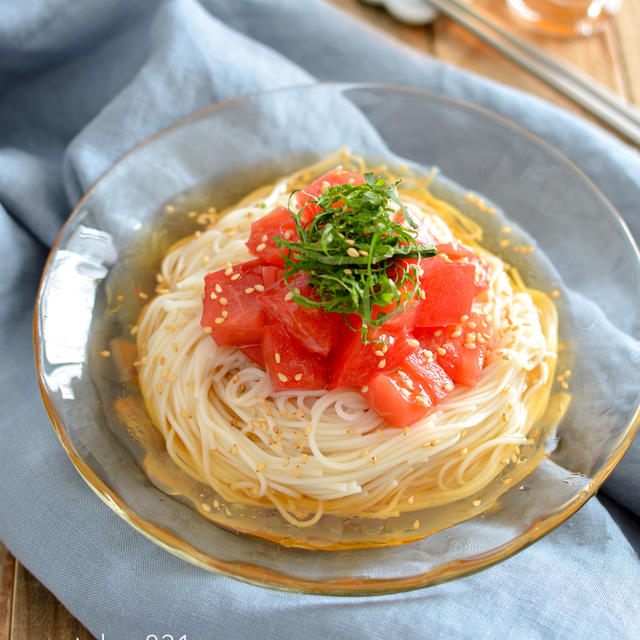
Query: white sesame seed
259, 287
261, 247
477, 503
223, 302
288, 296
441, 351
352, 252
228, 271
298, 377
264, 238
277, 357
364, 389
219, 320
217, 287
413, 343
282, 377
234, 277
249, 290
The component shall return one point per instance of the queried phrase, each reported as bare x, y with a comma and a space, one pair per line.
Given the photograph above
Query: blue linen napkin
80, 84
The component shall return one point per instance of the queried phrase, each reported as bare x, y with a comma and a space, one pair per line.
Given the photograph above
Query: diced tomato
241, 318
463, 348
353, 362
448, 290
390, 397
254, 351
271, 274
407, 355
410, 384
290, 366
263, 231
463, 255
315, 329
405, 320
313, 190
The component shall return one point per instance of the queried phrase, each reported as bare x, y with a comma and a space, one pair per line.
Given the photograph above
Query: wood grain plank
597, 56
37, 615
593, 54
7, 570
626, 27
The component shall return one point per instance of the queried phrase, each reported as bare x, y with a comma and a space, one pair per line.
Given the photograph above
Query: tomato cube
408, 356
462, 255
254, 351
448, 292
231, 306
304, 197
459, 349
290, 366
271, 274
405, 320
261, 241
389, 395
353, 362
315, 329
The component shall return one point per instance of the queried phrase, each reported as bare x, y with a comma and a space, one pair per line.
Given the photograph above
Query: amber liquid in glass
565, 17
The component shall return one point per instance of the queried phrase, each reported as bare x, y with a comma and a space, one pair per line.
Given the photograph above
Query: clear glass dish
101, 272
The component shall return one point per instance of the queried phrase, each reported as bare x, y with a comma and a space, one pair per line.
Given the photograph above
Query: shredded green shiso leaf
348, 251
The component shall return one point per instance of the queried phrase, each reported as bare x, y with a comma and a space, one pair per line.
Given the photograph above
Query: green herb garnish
349, 249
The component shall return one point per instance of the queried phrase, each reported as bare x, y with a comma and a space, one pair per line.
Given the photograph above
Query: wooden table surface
28, 611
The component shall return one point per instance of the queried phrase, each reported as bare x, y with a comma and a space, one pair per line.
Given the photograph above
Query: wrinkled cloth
83, 82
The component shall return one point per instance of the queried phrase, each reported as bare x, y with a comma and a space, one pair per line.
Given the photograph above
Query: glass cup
565, 17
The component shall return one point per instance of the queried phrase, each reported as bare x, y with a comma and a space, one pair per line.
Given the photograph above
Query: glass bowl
101, 273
